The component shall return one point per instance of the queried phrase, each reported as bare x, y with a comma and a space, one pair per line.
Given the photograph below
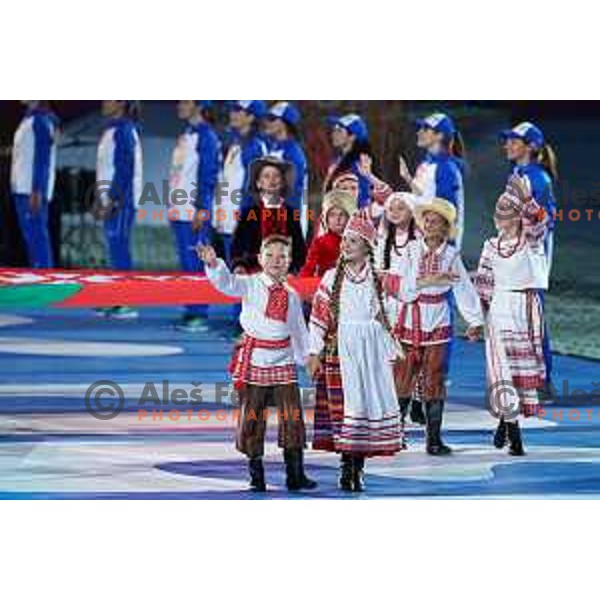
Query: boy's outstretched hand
207, 255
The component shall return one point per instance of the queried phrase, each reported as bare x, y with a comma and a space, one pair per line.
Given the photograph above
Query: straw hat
442, 207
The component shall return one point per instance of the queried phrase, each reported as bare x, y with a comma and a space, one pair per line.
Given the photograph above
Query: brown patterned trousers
255, 406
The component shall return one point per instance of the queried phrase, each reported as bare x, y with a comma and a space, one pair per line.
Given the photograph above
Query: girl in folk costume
513, 272
533, 159
356, 411
275, 338
324, 250
397, 236
441, 173
425, 323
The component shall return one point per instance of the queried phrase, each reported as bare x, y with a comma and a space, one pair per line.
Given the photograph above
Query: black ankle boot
434, 409
346, 472
257, 475
514, 438
416, 412
500, 435
294, 466
358, 474
404, 406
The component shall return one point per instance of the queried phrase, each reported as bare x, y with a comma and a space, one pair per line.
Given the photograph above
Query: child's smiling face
398, 213
275, 260
354, 248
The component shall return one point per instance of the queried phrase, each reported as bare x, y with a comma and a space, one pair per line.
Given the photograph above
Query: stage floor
51, 447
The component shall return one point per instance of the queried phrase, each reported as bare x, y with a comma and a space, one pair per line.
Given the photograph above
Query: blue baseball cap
285, 111
353, 124
526, 131
255, 107
439, 122
204, 104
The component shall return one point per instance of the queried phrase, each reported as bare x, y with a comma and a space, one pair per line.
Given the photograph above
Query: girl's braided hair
382, 316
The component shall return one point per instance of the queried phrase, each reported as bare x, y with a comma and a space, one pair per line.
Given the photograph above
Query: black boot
294, 466
358, 473
404, 405
346, 472
500, 435
416, 412
514, 438
257, 475
434, 410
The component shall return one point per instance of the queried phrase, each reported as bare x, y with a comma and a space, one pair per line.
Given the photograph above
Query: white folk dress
510, 278
357, 409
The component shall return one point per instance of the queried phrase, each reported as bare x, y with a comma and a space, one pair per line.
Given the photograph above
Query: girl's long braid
331, 348
379, 291
390, 239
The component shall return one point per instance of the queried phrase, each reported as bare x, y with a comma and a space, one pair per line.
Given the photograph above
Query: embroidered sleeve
467, 298
535, 222
298, 330
484, 276
380, 191
320, 316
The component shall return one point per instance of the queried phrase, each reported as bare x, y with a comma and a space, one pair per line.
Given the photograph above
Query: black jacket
247, 239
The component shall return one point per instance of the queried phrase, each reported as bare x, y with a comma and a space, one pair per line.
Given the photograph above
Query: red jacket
322, 255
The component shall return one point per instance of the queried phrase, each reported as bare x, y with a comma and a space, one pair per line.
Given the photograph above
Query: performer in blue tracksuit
282, 122
441, 172
192, 184
119, 181
350, 139
243, 146
32, 178
533, 159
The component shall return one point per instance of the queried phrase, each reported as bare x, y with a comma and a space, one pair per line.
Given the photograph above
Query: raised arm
484, 276
219, 275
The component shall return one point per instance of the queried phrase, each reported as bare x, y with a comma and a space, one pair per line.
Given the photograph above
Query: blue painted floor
51, 447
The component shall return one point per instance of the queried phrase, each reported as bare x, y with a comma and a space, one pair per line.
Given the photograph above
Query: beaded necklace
511, 249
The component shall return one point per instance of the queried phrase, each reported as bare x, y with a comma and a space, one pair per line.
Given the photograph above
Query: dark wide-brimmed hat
285, 168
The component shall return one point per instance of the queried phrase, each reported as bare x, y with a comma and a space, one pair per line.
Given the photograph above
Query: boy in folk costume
352, 352
425, 323
512, 275
324, 250
263, 367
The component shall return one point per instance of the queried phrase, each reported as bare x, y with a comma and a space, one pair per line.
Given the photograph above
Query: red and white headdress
362, 226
